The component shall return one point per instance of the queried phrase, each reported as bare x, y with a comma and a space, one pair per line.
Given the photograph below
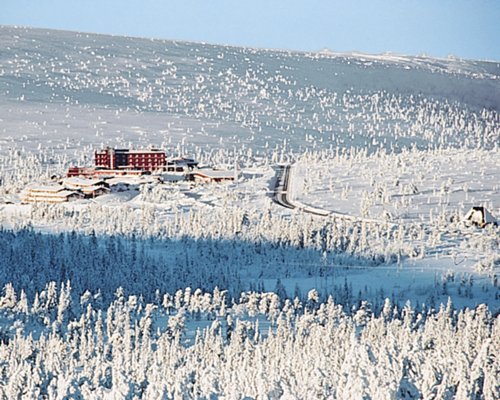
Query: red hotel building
145, 160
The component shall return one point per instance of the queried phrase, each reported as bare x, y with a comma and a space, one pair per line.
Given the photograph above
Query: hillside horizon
321, 50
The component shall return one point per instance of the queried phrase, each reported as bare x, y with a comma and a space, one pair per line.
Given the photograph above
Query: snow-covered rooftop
214, 174
46, 189
82, 182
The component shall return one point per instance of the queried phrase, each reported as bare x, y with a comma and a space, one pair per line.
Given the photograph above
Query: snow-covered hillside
74, 89
173, 289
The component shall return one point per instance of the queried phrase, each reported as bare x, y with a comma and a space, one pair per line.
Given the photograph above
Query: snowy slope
74, 89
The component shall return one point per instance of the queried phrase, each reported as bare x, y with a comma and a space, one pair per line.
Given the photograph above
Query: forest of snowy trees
192, 345
141, 266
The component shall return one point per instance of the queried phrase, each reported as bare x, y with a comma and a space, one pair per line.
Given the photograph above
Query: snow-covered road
283, 195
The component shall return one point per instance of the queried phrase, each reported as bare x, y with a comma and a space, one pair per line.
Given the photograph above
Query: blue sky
464, 28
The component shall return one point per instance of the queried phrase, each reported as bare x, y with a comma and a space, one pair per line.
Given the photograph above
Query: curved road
281, 197
281, 192
281, 186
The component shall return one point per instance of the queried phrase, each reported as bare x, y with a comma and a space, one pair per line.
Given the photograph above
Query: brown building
145, 160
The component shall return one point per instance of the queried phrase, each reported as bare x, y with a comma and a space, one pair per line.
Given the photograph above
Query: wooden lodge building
49, 194
91, 188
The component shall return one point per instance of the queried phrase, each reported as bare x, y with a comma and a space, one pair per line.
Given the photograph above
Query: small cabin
479, 216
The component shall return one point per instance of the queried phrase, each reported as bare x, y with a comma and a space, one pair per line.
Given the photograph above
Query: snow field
412, 186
